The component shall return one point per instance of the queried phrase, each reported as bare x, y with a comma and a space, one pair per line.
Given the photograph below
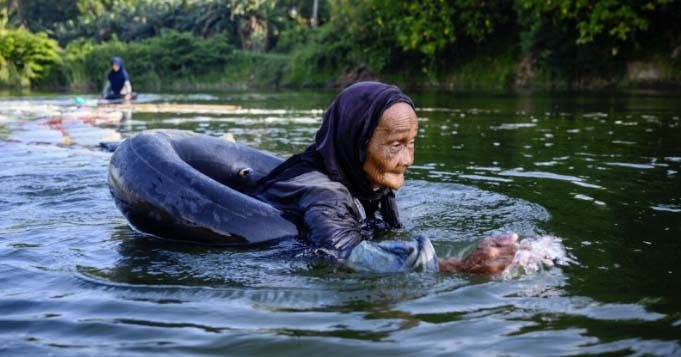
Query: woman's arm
107, 89
335, 230
126, 91
331, 220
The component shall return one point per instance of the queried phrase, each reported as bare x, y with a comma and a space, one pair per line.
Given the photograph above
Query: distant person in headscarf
334, 190
118, 84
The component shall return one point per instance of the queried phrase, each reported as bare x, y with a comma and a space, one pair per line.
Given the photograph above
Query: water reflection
599, 171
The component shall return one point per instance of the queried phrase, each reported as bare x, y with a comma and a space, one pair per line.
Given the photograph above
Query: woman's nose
406, 158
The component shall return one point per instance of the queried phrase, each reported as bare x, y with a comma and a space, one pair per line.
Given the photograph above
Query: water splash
536, 254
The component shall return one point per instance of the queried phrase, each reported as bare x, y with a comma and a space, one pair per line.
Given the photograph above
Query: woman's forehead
399, 117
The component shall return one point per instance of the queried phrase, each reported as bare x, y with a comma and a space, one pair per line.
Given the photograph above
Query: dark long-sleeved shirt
334, 222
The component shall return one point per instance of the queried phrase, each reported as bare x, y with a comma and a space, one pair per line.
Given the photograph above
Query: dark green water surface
600, 171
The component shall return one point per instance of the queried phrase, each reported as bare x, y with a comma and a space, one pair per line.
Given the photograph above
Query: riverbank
266, 71
499, 69
261, 71
176, 61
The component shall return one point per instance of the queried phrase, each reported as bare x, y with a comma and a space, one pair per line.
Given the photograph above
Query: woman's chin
393, 182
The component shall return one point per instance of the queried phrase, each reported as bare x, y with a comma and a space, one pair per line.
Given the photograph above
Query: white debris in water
546, 163
587, 185
485, 178
623, 142
229, 137
631, 165
518, 172
513, 126
427, 109
667, 208
595, 115
535, 255
484, 168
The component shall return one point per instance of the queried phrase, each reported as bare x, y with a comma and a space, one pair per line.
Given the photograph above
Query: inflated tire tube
185, 186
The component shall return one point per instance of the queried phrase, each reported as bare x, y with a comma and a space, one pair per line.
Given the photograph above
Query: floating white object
173, 108
229, 137
535, 255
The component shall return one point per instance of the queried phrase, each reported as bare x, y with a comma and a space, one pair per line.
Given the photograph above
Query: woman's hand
491, 256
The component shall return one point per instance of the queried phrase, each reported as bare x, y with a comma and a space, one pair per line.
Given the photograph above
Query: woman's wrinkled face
391, 148
115, 67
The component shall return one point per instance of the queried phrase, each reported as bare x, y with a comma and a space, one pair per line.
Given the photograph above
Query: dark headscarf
340, 146
117, 78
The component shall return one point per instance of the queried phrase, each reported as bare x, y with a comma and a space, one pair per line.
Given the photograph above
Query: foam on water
513, 126
535, 255
631, 165
667, 208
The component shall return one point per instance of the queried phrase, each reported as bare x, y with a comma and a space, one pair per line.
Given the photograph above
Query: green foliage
254, 69
41, 15
137, 20
384, 35
174, 60
359, 40
250, 24
170, 55
273, 42
75, 59
617, 21
573, 39
26, 57
322, 58
431, 26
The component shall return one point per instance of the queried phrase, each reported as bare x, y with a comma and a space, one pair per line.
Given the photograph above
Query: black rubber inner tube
185, 186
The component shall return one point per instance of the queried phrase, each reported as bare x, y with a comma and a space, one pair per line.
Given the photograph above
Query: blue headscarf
339, 149
117, 78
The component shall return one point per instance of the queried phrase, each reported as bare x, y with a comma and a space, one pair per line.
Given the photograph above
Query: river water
600, 171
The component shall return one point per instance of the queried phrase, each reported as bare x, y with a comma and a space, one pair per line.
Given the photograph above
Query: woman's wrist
451, 265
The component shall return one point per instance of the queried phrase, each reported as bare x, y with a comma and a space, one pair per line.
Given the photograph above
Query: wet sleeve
336, 231
127, 88
394, 256
332, 228
106, 90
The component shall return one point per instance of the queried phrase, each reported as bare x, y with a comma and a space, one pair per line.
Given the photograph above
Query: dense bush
172, 55
463, 41
573, 39
26, 57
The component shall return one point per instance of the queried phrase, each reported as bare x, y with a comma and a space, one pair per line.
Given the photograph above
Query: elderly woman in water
336, 190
